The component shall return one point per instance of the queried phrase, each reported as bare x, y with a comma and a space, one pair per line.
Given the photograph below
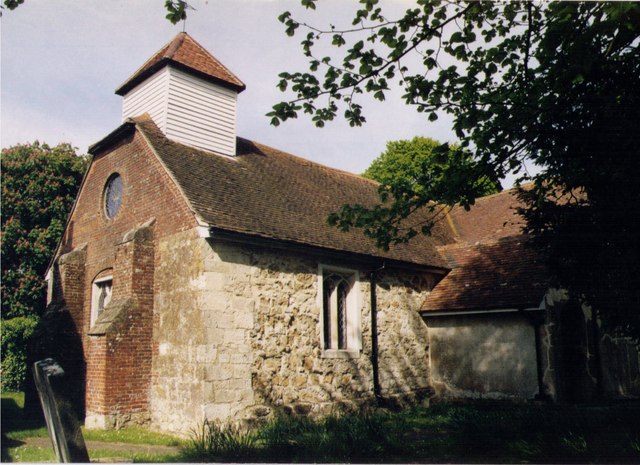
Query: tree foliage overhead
422, 165
556, 84
39, 185
410, 173
177, 10
12, 4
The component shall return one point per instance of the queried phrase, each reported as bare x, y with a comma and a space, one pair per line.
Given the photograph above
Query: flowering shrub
39, 185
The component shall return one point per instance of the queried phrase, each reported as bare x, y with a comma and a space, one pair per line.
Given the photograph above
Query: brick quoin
118, 364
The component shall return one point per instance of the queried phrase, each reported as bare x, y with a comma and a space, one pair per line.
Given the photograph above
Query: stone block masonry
239, 336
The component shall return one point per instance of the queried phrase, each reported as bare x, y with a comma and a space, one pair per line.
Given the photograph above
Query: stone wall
403, 335
238, 334
290, 370
180, 339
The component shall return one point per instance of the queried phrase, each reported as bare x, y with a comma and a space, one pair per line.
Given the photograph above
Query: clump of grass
523, 450
284, 435
344, 438
574, 444
214, 439
334, 438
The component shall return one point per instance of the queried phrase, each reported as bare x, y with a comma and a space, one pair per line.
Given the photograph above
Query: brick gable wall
118, 362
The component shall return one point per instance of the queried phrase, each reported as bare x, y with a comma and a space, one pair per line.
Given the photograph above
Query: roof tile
268, 193
505, 273
185, 53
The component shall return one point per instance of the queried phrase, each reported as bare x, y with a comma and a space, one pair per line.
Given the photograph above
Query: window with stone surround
100, 296
340, 316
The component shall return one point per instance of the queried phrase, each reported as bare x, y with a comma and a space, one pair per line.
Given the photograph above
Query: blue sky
63, 59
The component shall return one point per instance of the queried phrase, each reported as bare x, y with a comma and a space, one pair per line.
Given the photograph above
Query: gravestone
62, 422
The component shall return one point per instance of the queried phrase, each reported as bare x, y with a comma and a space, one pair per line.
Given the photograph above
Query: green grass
131, 435
46, 454
474, 432
16, 429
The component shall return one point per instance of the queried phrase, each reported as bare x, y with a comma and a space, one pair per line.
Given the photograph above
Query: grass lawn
16, 431
475, 432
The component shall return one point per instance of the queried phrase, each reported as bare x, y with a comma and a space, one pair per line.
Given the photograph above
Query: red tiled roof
266, 193
490, 218
185, 53
506, 273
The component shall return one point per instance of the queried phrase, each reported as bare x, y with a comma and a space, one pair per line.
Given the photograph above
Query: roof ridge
211, 56
147, 61
174, 45
306, 160
486, 242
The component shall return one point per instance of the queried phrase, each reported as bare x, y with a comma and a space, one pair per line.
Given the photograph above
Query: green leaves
291, 25
39, 184
15, 334
309, 4
412, 175
12, 4
282, 112
176, 10
554, 84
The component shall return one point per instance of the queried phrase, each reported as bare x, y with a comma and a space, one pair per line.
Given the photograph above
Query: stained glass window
113, 195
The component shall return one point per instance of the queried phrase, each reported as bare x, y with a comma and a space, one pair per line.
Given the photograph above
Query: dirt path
116, 447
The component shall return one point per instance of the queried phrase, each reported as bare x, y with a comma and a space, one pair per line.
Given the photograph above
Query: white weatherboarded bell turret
189, 95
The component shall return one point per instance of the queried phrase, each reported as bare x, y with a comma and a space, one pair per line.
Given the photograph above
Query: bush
39, 185
15, 334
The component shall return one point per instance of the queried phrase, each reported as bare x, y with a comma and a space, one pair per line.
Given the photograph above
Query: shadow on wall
403, 339
621, 363
57, 337
290, 371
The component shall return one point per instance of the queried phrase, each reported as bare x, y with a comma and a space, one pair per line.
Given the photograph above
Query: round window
113, 195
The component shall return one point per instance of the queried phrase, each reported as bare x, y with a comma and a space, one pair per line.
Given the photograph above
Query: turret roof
184, 53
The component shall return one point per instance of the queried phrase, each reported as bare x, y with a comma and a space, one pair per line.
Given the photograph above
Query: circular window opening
113, 195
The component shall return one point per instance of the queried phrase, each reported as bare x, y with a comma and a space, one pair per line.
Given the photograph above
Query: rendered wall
484, 356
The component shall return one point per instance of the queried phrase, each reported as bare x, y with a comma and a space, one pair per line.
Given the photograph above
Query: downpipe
373, 283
